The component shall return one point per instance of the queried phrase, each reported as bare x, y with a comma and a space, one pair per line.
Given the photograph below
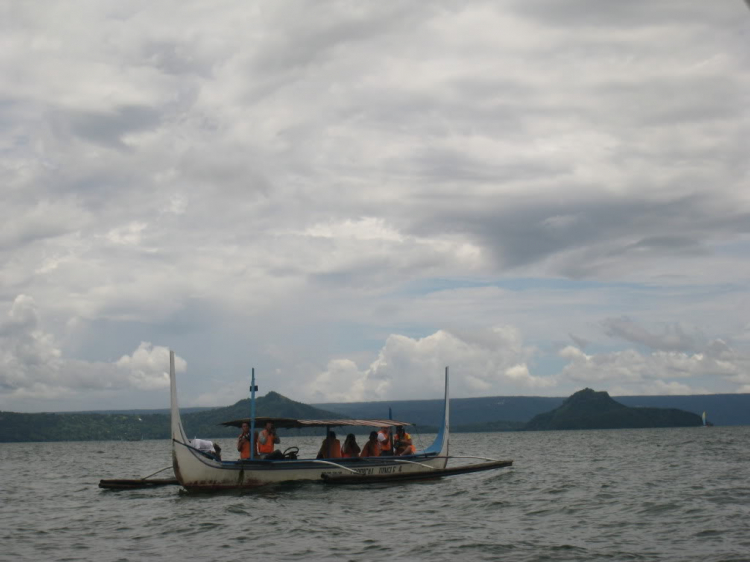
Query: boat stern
440, 446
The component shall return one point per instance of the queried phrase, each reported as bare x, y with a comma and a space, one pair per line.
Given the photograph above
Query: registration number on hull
370, 470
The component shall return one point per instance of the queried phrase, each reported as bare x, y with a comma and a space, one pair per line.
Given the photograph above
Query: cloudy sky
349, 196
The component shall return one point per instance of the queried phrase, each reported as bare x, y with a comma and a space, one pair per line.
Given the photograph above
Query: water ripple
652, 495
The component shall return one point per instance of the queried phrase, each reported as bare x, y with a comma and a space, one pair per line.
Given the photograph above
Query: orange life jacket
370, 450
408, 449
268, 446
385, 446
245, 450
336, 450
352, 454
333, 449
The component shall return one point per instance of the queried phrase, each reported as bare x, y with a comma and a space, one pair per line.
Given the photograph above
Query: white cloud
483, 362
127, 235
32, 366
148, 367
173, 172
658, 372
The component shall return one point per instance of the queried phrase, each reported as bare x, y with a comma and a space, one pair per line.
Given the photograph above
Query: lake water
661, 494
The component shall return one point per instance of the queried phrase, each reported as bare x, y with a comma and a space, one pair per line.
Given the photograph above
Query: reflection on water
666, 494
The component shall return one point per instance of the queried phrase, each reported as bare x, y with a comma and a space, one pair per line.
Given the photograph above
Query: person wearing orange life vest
372, 447
266, 441
243, 441
330, 448
404, 445
386, 442
350, 449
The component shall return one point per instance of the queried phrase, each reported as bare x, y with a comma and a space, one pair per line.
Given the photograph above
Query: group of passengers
380, 444
264, 443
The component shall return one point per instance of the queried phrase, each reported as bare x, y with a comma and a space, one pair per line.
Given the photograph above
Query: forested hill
722, 409
496, 413
587, 409
120, 426
273, 404
464, 411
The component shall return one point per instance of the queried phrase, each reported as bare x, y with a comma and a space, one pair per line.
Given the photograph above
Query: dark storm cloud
108, 128
521, 230
668, 244
672, 338
665, 100
616, 15
580, 342
452, 166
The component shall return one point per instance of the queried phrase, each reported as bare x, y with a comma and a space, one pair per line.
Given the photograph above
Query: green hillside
273, 404
81, 427
583, 410
587, 409
15, 427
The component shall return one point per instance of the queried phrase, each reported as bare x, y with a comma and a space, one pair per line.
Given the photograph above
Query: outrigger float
197, 470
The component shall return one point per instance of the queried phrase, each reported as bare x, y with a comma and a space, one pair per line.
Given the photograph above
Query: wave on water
664, 494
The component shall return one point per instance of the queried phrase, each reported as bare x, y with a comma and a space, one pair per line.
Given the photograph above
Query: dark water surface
661, 494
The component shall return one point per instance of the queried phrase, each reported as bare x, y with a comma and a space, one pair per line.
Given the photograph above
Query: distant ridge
206, 423
15, 427
494, 413
722, 409
588, 409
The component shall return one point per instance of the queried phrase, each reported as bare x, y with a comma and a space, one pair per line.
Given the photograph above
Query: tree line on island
586, 409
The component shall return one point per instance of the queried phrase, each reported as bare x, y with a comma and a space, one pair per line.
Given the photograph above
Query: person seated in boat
386, 442
372, 447
330, 448
243, 442
403, 443
351, 449
209, 448
266, 441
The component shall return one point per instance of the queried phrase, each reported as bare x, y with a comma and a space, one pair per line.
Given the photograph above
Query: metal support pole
253, 388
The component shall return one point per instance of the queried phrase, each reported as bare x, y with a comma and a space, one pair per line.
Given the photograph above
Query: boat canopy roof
292, 423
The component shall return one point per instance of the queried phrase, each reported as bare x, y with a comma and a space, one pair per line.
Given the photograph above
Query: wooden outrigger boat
198, 470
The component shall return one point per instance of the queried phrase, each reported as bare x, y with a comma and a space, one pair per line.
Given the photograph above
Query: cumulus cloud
658, 372
145, 368
483, 362
175, 171
32, 365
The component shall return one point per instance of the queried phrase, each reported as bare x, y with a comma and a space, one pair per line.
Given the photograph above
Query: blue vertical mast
253, 388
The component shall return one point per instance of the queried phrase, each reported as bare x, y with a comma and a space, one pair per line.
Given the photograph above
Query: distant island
588, 409
585, 409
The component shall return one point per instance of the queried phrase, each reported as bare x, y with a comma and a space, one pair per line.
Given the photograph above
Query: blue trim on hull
258, 464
